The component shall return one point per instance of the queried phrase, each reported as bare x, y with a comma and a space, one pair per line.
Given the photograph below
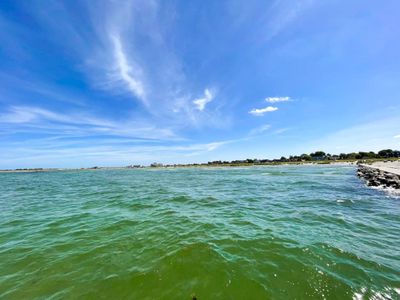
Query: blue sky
113, 83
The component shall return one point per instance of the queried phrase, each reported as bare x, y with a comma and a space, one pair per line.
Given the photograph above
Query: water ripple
218, 233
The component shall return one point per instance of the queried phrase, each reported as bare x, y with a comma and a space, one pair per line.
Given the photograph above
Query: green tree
305, 157
386, 153
318, 155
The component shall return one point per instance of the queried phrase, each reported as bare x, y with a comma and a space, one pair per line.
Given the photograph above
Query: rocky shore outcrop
375, 176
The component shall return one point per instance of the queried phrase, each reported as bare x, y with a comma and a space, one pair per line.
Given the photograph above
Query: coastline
372, 163
41, 170
312, 159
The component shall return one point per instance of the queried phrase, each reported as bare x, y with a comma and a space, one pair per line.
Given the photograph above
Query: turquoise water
287, 232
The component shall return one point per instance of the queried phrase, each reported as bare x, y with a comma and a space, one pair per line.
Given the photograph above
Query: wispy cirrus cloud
261, 111
281, 130
261, 129
284, 13
202, 102
127, 71
43, 121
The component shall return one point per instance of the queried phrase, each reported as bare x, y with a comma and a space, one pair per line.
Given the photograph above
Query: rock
376, 177
373, 183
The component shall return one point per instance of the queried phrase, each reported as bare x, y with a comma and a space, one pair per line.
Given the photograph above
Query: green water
231, 233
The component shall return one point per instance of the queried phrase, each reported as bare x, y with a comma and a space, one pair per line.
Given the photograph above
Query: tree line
318, 156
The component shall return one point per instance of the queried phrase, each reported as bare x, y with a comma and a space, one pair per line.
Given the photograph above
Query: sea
263, 232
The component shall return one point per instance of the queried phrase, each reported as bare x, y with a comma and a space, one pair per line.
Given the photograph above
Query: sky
115, 83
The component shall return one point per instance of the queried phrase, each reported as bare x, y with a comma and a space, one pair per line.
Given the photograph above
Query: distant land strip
318, 157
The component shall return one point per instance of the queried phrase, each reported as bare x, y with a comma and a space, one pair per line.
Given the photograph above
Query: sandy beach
390, 166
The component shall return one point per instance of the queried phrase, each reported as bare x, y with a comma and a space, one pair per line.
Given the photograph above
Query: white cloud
262, 111
125, 70
202, 102
277, 99
397, 136
260, 130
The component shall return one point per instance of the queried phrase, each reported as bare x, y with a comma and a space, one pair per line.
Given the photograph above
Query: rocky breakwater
386, 175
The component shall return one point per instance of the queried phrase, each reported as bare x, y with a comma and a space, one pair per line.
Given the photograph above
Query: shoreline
321, 163
369, 163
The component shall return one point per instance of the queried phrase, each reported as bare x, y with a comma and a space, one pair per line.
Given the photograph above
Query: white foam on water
389, 191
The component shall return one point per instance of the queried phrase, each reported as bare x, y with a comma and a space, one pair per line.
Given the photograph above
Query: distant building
155, 165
